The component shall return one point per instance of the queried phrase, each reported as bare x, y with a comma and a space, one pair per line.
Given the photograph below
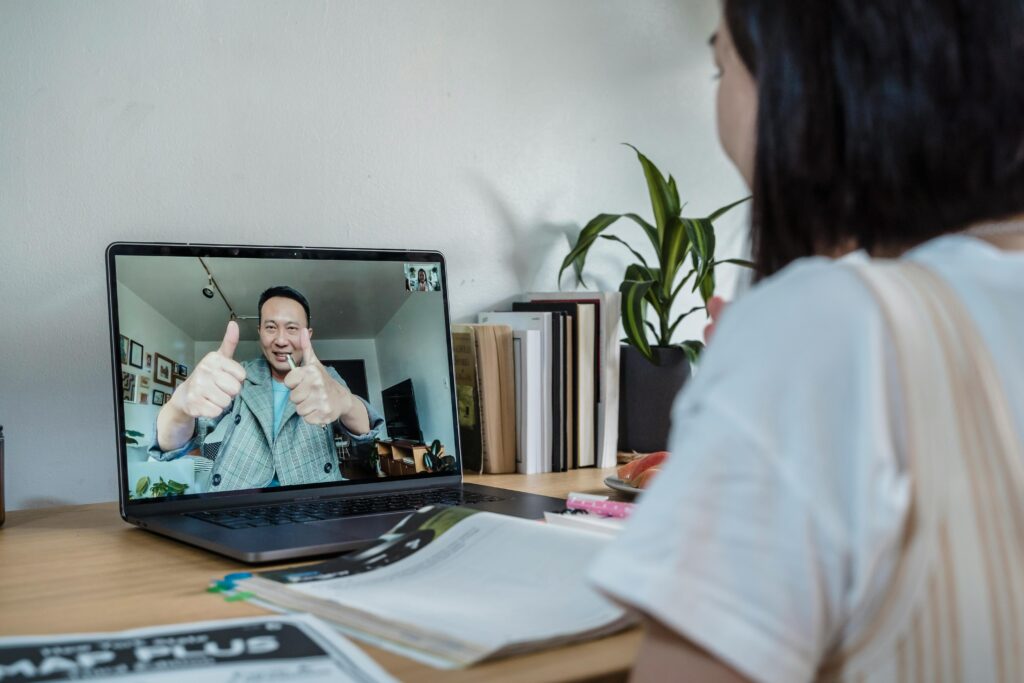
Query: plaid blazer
246, 454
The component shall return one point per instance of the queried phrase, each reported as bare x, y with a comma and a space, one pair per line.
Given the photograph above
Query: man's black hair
880, 123
288, 293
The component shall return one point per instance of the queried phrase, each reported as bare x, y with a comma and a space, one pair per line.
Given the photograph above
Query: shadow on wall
526, 239
534, 246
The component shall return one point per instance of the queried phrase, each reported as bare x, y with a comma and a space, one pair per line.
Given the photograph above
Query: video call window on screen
377, 338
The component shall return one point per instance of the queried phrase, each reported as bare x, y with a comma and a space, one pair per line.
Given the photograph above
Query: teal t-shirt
281, 393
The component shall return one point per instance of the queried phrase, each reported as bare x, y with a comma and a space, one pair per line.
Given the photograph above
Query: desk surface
81, 568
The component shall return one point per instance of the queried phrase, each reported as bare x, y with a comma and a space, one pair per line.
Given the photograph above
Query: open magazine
276, 648
456, 584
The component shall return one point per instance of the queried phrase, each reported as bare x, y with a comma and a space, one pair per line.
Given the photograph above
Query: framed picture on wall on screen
163, 370
135, 355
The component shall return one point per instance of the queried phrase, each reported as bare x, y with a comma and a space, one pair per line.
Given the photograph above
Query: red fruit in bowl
630, 471
644, 479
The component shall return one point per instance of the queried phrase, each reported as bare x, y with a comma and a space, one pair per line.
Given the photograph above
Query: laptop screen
247, 369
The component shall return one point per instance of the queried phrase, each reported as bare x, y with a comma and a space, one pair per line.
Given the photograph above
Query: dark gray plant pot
646, 394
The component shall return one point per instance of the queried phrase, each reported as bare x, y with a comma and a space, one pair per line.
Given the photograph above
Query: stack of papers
455, 586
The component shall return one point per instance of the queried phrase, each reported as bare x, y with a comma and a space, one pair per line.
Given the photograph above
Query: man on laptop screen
271, 420
236, 436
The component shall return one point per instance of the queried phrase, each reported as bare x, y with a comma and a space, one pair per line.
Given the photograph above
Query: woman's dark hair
881, 122
288, 293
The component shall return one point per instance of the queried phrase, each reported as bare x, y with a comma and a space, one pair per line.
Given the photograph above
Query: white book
541, 322
517, 364
529, 402
587, 400
608, 348
609, 526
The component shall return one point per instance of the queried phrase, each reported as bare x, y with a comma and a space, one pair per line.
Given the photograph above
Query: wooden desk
76, 569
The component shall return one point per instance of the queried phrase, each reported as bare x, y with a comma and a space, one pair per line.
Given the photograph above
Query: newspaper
456, 584
259, 649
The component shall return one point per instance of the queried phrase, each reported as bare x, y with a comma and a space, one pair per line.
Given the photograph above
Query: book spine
468, 396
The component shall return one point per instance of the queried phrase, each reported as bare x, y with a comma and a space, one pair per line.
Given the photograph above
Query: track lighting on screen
212, 290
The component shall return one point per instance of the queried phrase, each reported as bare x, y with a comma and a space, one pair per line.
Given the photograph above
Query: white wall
483, 128
413, 345
140, 321
326, 349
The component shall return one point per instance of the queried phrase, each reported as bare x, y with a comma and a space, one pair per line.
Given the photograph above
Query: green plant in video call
676, 241
131, 437
161, 488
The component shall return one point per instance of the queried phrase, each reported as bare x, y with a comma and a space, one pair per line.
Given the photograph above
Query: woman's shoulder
811, 314
814, 281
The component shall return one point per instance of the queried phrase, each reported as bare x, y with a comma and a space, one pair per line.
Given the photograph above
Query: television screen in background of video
378, 351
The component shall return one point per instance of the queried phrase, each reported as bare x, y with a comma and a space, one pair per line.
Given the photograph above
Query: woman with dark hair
845, 499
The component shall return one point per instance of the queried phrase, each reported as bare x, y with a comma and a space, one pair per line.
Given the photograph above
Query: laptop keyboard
315, 511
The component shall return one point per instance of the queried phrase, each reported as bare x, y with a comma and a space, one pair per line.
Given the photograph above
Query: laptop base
310, 539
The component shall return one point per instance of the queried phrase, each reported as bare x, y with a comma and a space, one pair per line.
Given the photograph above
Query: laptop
337, 412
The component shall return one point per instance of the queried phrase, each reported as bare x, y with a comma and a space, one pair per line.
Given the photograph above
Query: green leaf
725, 209
707, 285
712, 243
702, 237
588, 235
661, 196
673, 252
636, 253
141, 486
636, 272
578, 254
649, 230
695, 233
693, 349
673, 194
737, 262
672, 328
682, 283
634, 314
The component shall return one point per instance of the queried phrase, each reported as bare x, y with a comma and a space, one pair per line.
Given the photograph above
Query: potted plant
136, 451
653, 367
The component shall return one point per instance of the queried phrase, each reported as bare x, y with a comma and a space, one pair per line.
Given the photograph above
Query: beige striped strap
953, 610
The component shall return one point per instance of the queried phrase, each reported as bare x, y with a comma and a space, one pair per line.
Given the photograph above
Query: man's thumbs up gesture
318, 398
214, 383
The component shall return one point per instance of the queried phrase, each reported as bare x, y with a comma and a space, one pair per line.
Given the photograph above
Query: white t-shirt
781, 507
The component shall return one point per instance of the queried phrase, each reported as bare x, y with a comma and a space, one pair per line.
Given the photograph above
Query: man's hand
318, 398
214, 382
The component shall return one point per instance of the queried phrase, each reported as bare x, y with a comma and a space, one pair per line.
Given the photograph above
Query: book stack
486, 389
538, 385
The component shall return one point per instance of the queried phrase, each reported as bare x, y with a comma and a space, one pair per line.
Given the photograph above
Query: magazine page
458, 583
273, 648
